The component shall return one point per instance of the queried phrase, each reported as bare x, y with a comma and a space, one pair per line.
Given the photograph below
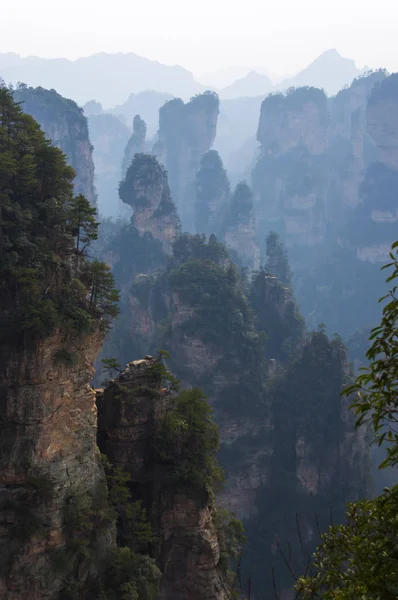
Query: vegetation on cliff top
47, 280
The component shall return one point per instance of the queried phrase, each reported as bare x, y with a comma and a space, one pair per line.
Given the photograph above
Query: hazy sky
282, 35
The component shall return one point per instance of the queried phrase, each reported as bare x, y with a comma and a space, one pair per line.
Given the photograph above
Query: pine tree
83, 222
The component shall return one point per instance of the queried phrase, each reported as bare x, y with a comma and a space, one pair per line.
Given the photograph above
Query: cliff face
315, 157
382, 120
186, 132
212, 194
136, 143
329, 187
131, 411
239, 231
146, 189
50, 464
65, 125
289, 178
109, 137
213, 331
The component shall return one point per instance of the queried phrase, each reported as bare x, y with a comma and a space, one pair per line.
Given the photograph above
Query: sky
280, 35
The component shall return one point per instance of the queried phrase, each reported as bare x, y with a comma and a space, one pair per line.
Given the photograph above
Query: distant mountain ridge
115, 80
253, 84
109, 78
329, 71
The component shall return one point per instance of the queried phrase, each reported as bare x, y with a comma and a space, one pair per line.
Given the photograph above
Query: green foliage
109, 365
130, 576
83, 222
231, 537
376, 388
208, 100
359, 558
134, 529
42, 227
198, 247
104, 298
276, 315
187, 442
144, 171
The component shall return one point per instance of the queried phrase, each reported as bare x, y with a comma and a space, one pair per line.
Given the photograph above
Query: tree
277, 262
359, 560
83, 222
40, 288
104, 297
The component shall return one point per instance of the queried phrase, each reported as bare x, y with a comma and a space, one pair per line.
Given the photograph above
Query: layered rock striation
49, 467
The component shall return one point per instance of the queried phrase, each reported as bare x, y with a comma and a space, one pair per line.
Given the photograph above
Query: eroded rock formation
146, 189
49, 467
136, 143
239, 230
212, 194
131, 409
186, 133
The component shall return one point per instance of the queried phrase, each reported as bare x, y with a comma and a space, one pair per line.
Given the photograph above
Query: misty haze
198, 306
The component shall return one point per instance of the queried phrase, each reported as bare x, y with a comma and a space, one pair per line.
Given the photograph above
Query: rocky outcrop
131, 409
109, 136
239, 231
146, 189
186, 133
212, 194
289, 178
50, 467
382, 119
315, 156
136, 143
64, 123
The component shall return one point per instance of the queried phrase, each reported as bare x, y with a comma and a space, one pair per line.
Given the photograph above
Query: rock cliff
239, 230
212, 194
186, 133
324, 180
146, 189
136, 143
109, 136
50, 468
65, 125
289, 178
132, 410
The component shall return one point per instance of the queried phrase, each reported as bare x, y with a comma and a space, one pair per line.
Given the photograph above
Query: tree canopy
42, 227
